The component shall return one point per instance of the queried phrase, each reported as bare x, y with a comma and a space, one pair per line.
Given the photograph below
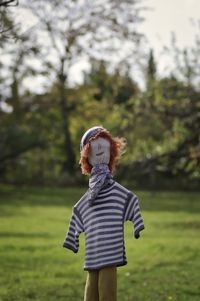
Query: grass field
163, 265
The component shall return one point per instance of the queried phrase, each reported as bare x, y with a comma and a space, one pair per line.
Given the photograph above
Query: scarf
100, 177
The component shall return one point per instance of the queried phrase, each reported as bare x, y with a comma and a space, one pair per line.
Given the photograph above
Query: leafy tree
186, 61
6, 23
17, 136
76, 30
115, 87
181, 109
7, 3
166, 128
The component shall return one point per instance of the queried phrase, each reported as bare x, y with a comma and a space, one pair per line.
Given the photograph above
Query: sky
167, 16
163, 18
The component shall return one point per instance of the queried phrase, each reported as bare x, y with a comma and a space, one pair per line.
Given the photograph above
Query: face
99, 151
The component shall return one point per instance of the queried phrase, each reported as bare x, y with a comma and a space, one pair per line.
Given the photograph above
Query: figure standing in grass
101, 213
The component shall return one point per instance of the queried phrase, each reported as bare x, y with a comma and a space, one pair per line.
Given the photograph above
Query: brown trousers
101, 285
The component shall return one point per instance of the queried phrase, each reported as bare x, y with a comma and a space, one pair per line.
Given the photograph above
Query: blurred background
131, 66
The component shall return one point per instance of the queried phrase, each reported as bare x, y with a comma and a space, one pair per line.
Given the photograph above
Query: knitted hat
89, 134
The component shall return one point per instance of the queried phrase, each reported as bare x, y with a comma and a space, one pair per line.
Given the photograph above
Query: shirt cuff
68, 246
137, 233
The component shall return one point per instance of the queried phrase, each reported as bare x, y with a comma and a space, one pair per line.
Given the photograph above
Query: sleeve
132, 213
75, 229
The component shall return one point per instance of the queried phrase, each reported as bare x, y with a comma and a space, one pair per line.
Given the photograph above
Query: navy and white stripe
103, 224
89, 134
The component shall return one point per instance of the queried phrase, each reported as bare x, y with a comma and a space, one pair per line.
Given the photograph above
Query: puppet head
97, 147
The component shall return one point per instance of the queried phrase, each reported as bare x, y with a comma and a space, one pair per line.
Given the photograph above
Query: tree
186, 61
5, 22
166, 127
151, 67
181, 109
115, 87
7, 3
17, 134
76, 30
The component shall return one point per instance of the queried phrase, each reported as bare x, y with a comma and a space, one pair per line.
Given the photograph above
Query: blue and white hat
89, 134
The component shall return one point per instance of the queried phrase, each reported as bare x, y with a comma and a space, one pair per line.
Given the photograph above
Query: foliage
160, 125
40, 131
80, 30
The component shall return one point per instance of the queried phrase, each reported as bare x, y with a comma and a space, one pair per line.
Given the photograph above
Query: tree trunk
69, 162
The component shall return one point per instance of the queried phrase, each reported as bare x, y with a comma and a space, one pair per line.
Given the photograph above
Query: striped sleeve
132, 213
75, 229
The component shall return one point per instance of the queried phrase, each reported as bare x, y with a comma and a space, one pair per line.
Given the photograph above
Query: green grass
163, 265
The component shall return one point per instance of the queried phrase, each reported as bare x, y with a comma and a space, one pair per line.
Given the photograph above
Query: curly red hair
117, 148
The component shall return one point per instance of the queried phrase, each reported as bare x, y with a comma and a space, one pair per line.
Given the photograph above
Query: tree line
40, 131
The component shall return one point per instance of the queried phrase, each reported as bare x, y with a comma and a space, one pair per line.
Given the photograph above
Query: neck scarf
100, 177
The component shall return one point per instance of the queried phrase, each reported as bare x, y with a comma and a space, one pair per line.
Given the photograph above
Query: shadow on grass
181, 225
67, 197
11, 195
8, 234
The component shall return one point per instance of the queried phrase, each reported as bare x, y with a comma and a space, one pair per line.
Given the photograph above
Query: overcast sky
164, 17
169, 16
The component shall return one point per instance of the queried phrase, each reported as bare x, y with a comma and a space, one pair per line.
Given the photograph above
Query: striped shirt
103, 225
